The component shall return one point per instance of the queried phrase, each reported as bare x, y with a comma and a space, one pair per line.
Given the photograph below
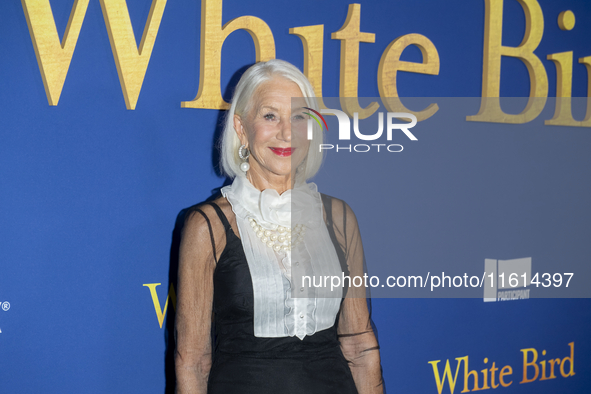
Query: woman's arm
358, 342
360, 347
194, 303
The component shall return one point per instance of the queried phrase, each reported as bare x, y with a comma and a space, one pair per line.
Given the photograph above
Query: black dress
245, 364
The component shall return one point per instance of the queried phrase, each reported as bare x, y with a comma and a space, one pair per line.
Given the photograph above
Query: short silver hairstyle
241, 105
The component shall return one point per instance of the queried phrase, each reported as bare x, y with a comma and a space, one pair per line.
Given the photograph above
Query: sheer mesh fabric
204, 240
355, 329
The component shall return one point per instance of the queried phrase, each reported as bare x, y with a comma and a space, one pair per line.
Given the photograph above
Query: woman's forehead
278, 89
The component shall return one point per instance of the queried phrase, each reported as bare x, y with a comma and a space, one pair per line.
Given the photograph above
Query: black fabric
327, 202
245, 364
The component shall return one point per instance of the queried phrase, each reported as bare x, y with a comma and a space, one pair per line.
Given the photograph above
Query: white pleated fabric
285, 304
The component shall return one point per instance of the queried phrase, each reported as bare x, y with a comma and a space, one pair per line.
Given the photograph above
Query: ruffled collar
300, 205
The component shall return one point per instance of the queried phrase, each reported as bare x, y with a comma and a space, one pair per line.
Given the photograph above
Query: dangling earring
244, 154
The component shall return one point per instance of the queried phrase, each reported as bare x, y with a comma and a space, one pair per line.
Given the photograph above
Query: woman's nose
284, 131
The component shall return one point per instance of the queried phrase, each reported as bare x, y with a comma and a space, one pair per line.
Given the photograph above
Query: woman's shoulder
340, 213
211, 214
338, 206
207, 223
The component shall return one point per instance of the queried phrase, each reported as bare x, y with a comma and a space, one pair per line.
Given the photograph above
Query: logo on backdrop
345, 130
507, 280
161, 313
5, 307
536, 366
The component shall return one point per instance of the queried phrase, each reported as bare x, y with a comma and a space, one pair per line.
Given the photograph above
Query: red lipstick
283, 152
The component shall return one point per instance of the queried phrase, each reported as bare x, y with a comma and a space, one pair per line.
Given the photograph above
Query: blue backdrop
90, 192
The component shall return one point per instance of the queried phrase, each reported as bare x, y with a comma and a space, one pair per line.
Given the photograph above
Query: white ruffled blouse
286, 302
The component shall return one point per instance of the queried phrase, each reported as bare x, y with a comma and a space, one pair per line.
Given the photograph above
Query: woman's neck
279, 183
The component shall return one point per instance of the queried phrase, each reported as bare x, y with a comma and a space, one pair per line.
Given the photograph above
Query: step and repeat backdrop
476, 220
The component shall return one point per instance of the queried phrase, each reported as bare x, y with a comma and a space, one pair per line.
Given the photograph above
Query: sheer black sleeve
355, 329
202, 241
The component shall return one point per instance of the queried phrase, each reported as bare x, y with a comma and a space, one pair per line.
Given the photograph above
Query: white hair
241, 105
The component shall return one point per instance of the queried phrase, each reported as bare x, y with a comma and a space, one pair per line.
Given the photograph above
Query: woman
242, 258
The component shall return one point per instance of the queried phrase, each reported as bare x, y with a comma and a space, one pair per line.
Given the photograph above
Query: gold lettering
506, 370
159, 312
527, 364
571, 360
53, 56
313, 42
485, 377
490, 107
493, 369
563, 115
350, 36
543, 364
131, 62
213, 35
552, 362
390, 64
587, 62
440, 381
566, 20
467, 374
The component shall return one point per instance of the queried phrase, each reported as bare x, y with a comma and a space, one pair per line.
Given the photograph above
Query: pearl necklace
279, 240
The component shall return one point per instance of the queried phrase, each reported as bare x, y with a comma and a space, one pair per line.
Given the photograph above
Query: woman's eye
269, 116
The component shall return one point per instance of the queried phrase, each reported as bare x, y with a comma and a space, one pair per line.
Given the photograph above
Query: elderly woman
243, 257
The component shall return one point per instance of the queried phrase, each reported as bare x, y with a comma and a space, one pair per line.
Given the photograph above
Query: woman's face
274, 130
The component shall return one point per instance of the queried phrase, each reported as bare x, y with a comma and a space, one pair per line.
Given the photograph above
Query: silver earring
244, 154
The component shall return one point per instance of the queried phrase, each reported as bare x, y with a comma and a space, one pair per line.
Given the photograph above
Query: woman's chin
269, 173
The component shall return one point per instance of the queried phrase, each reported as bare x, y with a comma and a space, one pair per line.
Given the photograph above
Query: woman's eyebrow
269, 107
